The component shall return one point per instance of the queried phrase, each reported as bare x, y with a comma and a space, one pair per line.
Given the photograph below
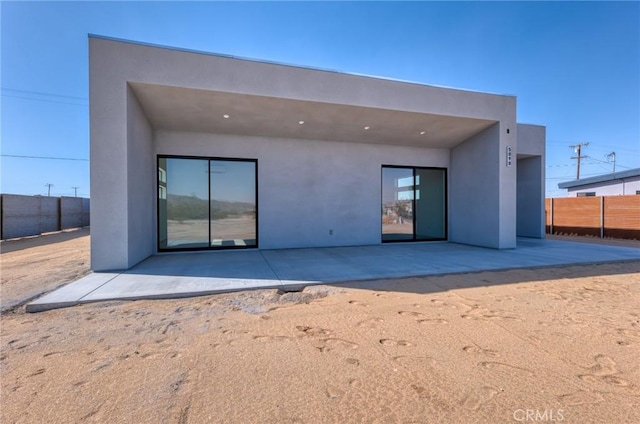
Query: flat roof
630, 173
271, 62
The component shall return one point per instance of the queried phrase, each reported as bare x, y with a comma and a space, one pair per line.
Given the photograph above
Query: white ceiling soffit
187, 109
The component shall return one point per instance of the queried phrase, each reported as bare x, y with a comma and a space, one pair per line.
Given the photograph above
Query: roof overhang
199, 110
620, 175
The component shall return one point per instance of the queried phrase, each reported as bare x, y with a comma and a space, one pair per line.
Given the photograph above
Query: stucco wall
108, 171
530, 198
474, 190
305, 187
141, 183
531, 139
531, 180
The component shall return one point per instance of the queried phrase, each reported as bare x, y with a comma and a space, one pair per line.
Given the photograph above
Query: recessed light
367, 127
300, 122
423, 132
225, 116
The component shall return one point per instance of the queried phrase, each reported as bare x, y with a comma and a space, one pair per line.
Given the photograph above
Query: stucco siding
475, 190
109, 170
307, 188
140, 183
530, 198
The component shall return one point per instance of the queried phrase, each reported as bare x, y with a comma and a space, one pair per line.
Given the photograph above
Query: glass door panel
233, 203
397, 204
430, 198
183, 213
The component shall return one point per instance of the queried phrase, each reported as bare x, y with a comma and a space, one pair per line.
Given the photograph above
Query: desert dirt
553, 344
32, 266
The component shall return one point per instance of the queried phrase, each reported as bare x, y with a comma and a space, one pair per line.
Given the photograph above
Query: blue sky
575, 67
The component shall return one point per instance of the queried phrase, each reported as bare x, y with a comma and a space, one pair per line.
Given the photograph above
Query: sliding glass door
414, 204
206, 203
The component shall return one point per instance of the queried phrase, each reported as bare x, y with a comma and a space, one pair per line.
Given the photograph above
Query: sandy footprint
268, 338
410, 314
335, 344
234, 332
603, 366
580, 398
358, 303
604, 370
334, 392
433, 321
371, 323
314, 331
392, 342
480, 313
352, 361
475, 349
478, 397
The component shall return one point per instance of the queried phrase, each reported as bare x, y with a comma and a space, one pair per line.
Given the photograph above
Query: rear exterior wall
306, 187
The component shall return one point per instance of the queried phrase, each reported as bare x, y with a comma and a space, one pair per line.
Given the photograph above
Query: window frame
209, 247
413, 200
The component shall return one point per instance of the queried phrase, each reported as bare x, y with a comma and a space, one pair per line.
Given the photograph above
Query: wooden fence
601, 216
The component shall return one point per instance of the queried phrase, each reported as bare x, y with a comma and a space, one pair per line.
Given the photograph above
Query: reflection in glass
206, 203
414, 204
183, 213
397, 204
233, 203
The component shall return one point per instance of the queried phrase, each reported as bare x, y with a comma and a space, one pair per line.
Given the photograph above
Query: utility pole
75, 191
48, 186
578, 149
611, 157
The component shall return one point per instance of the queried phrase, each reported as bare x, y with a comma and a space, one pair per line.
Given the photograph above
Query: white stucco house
613, 184
199, 151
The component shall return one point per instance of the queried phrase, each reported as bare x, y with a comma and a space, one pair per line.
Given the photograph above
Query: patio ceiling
188, 109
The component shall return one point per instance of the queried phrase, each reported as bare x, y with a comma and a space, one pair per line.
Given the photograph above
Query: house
199, 151
614, 184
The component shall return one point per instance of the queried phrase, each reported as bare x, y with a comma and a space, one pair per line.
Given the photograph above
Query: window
206, 203
414, 204
586, 194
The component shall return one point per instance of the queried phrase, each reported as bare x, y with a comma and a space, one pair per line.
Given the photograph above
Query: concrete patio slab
192, 274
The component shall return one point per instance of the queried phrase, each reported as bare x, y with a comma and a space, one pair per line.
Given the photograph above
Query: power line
44, 100
40, 93
43, 157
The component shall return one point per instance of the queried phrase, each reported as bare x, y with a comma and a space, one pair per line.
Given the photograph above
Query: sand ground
545, 345
32, 266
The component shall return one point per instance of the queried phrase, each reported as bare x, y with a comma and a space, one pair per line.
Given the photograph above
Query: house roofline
629, 173
290, 65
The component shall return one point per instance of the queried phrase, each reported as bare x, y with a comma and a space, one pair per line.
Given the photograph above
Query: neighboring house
614, 184
192, 151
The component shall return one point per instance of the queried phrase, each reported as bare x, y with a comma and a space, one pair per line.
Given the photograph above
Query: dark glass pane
430, 204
